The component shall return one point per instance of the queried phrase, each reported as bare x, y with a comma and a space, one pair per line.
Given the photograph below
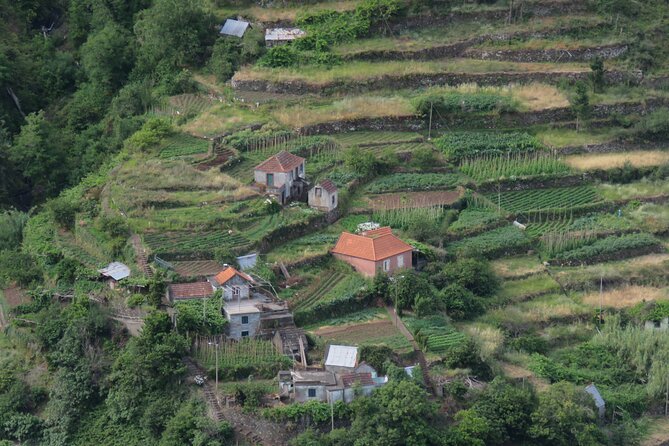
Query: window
270, 179
296, 172
311, 393
291, 175
236, 291
245, 334
245, 319
400, 261
333, 200
319, 192
386, 265
301, 168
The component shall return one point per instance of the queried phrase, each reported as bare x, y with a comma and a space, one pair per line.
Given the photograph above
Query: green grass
356, 71
473, 219
414, 182
375, 138
640, 189
492, 244
523, 289
568, 138
184, 145
193, 242
435, 334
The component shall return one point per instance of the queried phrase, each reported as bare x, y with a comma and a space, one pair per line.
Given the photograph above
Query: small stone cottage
371, 252
324, 196
281, 175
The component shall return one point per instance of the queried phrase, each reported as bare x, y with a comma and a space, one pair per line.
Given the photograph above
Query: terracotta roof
190, 290
374, 245
230, 272
328, 185
350, 379
281, 162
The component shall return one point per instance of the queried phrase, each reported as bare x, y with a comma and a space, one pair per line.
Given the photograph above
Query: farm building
279, 36
194, 290
234, 284
282, 175
342, 380
292, 342
234, 28
323, 196
374, 251
114, 272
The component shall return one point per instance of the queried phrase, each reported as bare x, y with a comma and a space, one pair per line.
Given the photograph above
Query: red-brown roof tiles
364, 379
193, 290
378, 244
329, 186
230, 272
281, 162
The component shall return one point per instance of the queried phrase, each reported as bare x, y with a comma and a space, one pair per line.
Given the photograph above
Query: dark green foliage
377, 356
455, 102
460, 303
190, 427
475, 275
565, 416
655, 124
405, 288
529, 343
362, 163
314, 411
150, 135
457, 145
107, 56
18, 267
580, 103
608, 246
192, 319
597, 75
507, 410
11, 229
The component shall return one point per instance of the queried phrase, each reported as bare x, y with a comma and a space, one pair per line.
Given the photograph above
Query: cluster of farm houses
253, 311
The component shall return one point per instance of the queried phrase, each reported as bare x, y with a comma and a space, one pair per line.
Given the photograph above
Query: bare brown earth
414, 199
15, 296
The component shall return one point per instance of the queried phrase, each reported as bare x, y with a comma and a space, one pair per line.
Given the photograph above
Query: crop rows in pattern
184, 145
444, 342
540, 199
540, 228
376, 138
193, 241
321, 290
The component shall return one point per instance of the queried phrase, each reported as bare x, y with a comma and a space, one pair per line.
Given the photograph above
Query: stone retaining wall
548, 55
475, 121
396, 82
613, 147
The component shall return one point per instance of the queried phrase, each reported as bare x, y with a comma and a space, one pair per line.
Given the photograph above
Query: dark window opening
245, 319
312, 393
245, 334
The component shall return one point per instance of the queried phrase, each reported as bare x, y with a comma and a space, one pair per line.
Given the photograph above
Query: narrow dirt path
140, 255
250, 428
397, 321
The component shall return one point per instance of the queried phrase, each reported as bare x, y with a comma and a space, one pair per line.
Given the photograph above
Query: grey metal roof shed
341, 356
115, 270
235, 28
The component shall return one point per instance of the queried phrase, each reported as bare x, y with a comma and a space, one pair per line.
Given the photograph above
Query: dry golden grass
221, 118
658, 432
489, 339
349, 108
273, 14
539, 96
511, 267
625, 297
641, 158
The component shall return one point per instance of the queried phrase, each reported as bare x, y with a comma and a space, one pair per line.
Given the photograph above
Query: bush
63, 211
11, 229
460, 303
475, 275
608, 246
151, 134
135, 300
655, 124
456, 102
457, 145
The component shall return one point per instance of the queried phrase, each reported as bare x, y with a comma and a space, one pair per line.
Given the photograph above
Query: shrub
475, 275
608, 246
460, 303
151, 133
457, 145
11, 228
63, 211
455, 102
654, 124
135, 300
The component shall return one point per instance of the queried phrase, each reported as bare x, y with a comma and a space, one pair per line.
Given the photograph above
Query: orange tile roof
373, 245
228, 273
281, 162
328, 185
190, 290
350, 379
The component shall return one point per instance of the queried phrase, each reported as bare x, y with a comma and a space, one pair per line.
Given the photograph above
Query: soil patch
359, 333
197, 268
414, 199
15, 296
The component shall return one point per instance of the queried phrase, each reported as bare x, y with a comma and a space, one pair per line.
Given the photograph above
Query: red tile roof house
194, 290
281, 175
373, 251
323, 196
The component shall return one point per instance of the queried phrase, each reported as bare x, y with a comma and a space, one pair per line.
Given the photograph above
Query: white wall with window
400, 261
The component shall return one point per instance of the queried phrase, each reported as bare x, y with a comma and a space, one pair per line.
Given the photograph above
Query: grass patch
506, 240
414, 182
374, 332
524, 289
605, 161
357, 71
639, 189
222, 118
625, 297
554, 137
511, 267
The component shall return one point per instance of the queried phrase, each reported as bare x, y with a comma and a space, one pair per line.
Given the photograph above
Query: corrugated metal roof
592, 390
115, 270
235, 28
282, 34
342, 356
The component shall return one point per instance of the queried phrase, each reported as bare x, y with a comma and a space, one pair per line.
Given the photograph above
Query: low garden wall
548, 55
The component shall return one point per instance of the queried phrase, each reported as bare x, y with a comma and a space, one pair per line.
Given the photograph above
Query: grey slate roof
115, 270
235, 28
341, 356
592, 390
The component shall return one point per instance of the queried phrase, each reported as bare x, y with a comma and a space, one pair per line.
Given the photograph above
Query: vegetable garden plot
458, 145
247, 355
615, 246
545, 199
184, 145
167, 242
378, 332
414, 200
415, 182
376, 138
492, 244
487, 167
434, 334
402, 147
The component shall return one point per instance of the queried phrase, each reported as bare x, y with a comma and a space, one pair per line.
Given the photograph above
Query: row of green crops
456, 102
458, 145
608, 246
362, 139
546, 199
501, 241
472, 219
184, 145
201, 315
493, 166
435, 334
165, 242
405, 218
414, 182
240, 358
